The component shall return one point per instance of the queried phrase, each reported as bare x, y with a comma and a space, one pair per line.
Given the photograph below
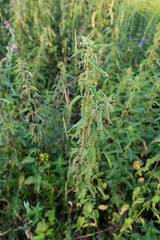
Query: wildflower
141, 42
6, 23
14, 46
4, 59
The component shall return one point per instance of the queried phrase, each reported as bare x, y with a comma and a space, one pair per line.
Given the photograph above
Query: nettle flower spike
6, 23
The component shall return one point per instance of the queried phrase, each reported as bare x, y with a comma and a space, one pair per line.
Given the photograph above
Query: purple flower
6, 23
14, 46
4, 59
141, 42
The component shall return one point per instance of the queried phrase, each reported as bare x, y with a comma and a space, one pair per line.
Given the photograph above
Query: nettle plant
90, 131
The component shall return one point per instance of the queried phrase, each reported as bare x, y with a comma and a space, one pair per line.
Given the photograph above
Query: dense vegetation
79, 119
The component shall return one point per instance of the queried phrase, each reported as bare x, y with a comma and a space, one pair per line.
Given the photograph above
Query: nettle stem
94, 106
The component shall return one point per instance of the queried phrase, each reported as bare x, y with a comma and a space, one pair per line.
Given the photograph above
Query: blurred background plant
41, 79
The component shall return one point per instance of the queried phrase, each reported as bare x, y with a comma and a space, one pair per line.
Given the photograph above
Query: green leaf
41, 237
41, 227
156, 140
138, 201
29, 180
102, 45
73, 101
77, 52
136, 192
80, 222
28, 160
108, 158
88, 207
88, 174
92, 155
98, 67
93, 89
15, 158
51, 216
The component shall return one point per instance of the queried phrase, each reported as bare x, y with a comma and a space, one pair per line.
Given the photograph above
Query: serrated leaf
88, 174
98, 68
108, 158
41, 227
124, 208
28, 160
73, 101
138, 201
93, 89
80, 222
51, 215
87, 209
92, 155
136, 193
77, 52
29, 180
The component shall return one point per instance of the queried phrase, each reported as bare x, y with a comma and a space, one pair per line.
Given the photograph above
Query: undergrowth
79, 119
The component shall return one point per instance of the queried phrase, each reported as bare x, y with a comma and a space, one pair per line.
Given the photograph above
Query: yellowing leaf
41, 227
103, 207
115, 216
89, 224
104, 186
124, 209
141, 179
136, 165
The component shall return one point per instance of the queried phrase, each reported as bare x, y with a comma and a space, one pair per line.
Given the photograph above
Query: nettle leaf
88, 174
92, 155
124, 208
40, 237
28, 160
156, 199
93, 89
127, 223
77, 52
87, 209
15, 159
36, 180
41, 227
73, 101
51, 216
29, 180
150, 161
136, 193
157, 140
138, 201
98, 68
80, 222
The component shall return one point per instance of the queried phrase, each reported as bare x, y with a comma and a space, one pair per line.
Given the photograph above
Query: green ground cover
79, 119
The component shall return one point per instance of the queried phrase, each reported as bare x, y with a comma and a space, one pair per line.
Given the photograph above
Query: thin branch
91, 234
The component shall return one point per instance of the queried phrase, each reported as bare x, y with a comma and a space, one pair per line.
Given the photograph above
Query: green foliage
79, 119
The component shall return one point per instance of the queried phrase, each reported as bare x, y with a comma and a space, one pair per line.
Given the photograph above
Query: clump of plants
79, 119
